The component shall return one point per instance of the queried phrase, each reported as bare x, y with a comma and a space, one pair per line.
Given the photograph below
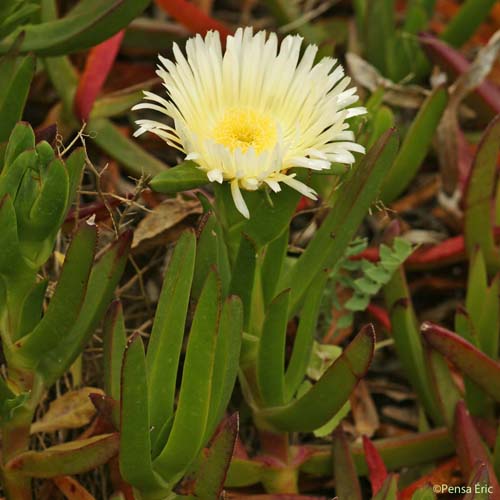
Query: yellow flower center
243, 128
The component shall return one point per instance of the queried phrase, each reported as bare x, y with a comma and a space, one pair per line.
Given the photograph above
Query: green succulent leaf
211, 251
136, 464
466, 21
302, 347
415, 145
425, 493
243, 276
87, 24
9, 241
66, 303
326, 397
115, 340
226, 362
193, 408
102, 282
48, 211
344, 471
408, 341
13, 174
165, 344
184, 176
74, 167
389, 490
32, 308
271, 353
13, 13
337, 230
272, 265
14, 88
21, 138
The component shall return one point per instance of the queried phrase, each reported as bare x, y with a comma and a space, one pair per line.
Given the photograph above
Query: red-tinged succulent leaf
480, 484
402, 451
376, 466
380, 315
442, 474
470, 447
97, 67
481, 187
344, 470
304, 204
213, 470
447, 252
72, 489
70, 458
192, 17
48, 133
98, 208
484, 371
371, 254
443, 254
279, 496
486, 95
105, 407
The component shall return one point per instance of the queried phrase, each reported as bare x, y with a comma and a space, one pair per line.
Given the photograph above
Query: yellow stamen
244, 128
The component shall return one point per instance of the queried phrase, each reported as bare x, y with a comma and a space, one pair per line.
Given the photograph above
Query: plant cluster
240, 381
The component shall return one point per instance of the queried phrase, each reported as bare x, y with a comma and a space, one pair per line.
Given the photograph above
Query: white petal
241, 206
299, 186
215, 175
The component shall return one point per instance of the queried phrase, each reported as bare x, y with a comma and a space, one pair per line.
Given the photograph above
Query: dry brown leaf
449, 128
392, 390
478, 70
364, 411
72, 489
156, 225
406, 416
70, 411
366, 75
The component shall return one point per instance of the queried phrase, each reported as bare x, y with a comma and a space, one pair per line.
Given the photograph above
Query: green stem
15, 440
275, 445
281, 475
16, 436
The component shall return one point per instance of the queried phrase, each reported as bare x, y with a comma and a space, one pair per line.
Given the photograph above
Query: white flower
248, 114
